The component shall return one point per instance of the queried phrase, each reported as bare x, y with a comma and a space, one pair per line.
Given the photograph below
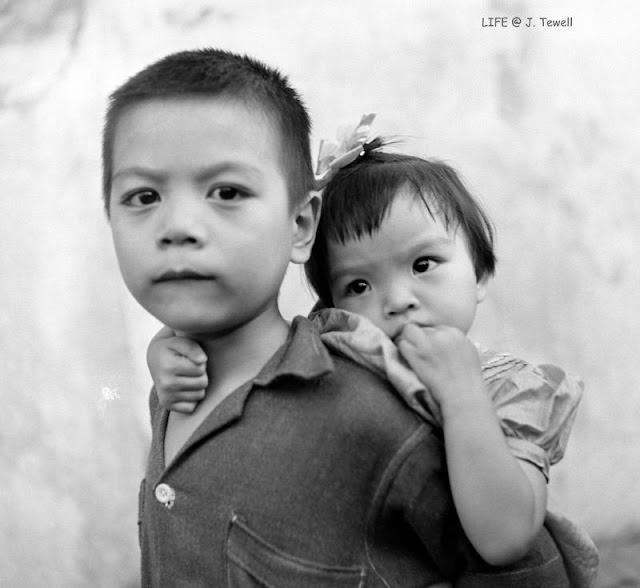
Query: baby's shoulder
536, 403
500, 367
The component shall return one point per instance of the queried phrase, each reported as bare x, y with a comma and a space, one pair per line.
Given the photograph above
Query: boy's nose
182, 225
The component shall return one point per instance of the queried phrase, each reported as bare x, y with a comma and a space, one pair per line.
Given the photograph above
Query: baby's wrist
467, 405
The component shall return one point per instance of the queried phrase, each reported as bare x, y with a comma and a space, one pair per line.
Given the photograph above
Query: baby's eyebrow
422, 245
431, 242
349, 270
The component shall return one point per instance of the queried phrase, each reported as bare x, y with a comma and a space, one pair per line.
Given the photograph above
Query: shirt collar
302, 356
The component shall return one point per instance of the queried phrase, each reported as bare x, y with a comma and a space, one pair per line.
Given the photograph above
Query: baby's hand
178, 368
446, 362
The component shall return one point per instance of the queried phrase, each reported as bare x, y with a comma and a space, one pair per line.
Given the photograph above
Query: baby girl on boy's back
402, 257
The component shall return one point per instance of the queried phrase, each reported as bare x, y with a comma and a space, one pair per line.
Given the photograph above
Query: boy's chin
207, 321
199, 329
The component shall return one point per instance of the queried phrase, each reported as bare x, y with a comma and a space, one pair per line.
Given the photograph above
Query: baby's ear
481, 288
305, 222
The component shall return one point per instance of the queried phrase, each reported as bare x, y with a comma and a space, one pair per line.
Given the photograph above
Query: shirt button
165, 494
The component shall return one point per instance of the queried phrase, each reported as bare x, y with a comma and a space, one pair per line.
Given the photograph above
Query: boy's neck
233, 359
238, 356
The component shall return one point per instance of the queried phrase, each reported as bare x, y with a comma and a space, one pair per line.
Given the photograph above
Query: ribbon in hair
349, 146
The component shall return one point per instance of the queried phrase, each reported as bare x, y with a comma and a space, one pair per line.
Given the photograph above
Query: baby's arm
178, 368
500, 500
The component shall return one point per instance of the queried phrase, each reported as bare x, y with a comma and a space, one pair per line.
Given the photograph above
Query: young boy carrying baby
299, 467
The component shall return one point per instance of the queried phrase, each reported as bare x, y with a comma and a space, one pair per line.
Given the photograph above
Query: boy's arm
178, 367
500, 501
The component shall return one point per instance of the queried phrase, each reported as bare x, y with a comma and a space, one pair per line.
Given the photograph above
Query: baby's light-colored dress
536, 406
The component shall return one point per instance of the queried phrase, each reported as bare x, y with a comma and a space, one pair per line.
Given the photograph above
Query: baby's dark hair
216, 73
358, 197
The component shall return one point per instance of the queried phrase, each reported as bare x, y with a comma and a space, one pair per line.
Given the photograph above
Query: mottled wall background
542, 122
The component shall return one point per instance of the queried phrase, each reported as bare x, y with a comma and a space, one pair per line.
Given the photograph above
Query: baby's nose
400, 301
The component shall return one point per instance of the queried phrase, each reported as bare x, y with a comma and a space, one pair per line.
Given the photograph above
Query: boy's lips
185, 274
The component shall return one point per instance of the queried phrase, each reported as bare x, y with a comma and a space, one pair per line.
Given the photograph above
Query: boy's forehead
194, 112
168, 130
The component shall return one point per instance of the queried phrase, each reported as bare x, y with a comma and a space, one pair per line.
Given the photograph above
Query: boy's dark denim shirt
312, 475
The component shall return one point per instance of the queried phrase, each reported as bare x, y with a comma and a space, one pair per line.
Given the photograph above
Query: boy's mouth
174, 275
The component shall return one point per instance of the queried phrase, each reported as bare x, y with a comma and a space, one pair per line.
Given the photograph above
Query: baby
402, 258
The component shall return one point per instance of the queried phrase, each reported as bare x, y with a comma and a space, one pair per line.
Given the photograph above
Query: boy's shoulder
360, 409
360, 393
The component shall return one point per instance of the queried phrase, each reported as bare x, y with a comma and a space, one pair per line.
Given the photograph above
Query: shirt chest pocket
251, 562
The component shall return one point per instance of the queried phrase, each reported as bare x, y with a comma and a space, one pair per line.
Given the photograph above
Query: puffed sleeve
535, 404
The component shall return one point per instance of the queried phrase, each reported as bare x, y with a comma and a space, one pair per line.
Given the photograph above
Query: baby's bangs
356, 205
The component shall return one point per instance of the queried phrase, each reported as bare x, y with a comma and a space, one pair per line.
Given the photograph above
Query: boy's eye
423, 264
227, 193
356, 288
141, 198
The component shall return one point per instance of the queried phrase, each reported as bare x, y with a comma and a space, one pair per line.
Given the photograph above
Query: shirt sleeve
421, 492
535, 404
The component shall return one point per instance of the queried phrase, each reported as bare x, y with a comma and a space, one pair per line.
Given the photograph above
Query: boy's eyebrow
135, 170
228, 166
200, 174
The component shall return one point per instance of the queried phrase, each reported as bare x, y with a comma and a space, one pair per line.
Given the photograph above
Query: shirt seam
385, 485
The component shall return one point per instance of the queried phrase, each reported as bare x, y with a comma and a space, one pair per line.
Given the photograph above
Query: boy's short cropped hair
219, 73
358, 197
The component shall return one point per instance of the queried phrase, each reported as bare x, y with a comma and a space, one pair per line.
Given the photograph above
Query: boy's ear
305, 223
481, 289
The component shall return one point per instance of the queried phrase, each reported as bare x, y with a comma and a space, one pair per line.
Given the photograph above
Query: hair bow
350, 142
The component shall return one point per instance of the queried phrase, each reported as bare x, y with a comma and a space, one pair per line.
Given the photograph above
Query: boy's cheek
129, 246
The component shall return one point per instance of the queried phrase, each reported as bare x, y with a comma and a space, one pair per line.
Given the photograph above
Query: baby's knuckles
445, 360
443, 341
447, 337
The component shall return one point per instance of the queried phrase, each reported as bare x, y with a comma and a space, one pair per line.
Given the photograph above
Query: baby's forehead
400, 235
421, 210
399, 240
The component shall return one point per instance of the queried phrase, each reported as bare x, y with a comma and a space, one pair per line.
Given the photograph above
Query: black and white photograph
319, 294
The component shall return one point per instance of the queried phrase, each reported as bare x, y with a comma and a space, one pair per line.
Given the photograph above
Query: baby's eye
356, 288
141, 198
227, 193
424, 264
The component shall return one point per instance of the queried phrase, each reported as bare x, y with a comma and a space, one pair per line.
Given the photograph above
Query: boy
299, 468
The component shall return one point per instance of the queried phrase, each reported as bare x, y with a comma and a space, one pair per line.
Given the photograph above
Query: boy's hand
446, 362
178, 368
